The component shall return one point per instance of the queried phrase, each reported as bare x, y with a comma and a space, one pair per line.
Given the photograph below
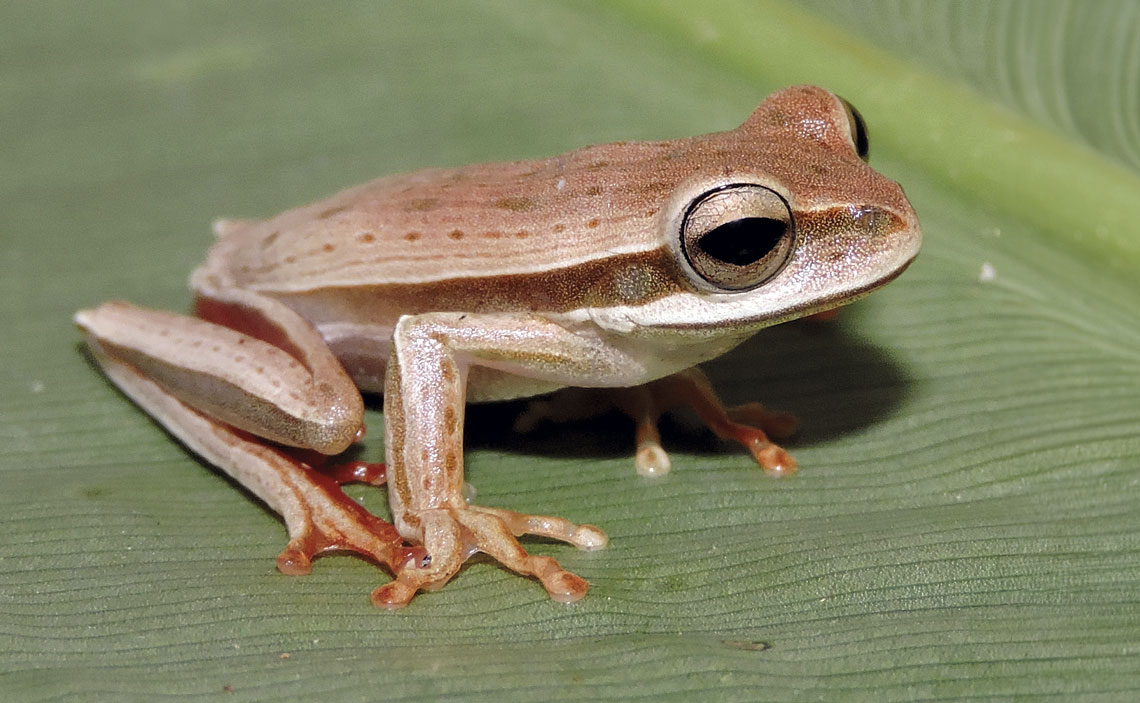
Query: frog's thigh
318, 516
296, 397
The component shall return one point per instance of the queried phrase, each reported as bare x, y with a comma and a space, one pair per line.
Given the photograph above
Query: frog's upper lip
849, 296
866, 290
820, 305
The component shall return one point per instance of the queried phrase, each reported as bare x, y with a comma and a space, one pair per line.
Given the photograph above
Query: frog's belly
363, 350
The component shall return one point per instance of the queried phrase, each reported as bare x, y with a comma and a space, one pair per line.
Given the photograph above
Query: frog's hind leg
264, 371
319, 517
223, 393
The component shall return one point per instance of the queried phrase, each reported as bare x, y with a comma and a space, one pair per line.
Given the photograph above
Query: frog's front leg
750, 424
220, 391
424, 396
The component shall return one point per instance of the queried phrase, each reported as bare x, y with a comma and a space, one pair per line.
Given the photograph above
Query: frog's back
472, 222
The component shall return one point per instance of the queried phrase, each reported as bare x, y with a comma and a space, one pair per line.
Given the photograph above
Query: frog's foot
323, 519
452, 535
749, 424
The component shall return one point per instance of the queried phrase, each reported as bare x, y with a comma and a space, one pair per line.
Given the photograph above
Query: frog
619, 267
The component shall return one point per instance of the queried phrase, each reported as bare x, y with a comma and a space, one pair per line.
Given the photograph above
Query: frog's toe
452, 535
394, 595
493, 533
325, 519
774, 459
297, 557
651, 459
586, 537
564, 586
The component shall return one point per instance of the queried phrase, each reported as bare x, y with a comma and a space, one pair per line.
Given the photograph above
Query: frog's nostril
874, 220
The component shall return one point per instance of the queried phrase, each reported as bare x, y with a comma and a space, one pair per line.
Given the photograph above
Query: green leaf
965, 522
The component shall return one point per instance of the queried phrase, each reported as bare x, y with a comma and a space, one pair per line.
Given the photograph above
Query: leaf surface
965, 523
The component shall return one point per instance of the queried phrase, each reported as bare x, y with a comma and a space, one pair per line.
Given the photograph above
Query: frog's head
782, 217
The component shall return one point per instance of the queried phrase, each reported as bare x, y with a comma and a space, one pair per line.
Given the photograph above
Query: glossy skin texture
614, 266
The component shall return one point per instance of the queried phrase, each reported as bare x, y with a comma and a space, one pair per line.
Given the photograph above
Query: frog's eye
858, 130
738, 236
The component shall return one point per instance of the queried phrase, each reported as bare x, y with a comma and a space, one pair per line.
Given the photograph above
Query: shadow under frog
834, 382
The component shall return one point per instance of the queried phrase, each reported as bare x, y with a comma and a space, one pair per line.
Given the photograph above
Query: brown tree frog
614, 266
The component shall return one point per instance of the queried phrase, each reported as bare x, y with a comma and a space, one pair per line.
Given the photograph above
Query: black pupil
744, 241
